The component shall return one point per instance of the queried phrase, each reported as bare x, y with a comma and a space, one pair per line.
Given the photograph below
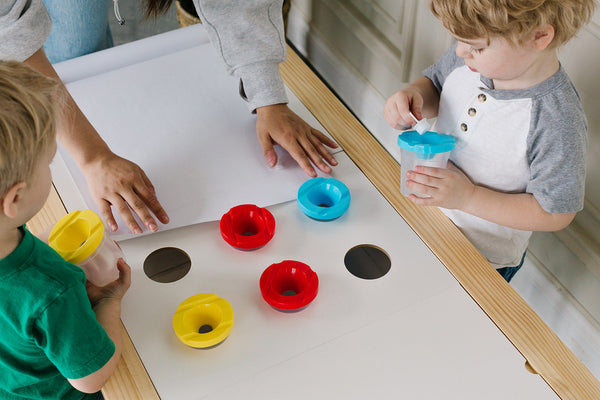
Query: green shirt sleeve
70, 335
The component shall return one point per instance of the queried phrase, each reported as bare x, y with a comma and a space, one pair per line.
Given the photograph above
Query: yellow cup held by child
80, 238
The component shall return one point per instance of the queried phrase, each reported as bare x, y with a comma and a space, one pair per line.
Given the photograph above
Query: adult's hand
277, 124
113, 181
122, 184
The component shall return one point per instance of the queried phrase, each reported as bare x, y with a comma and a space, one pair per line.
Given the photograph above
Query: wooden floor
576, 328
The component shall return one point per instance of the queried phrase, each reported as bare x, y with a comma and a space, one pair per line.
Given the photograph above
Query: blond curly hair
513, 20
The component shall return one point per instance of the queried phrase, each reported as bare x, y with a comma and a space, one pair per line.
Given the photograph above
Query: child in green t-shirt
58, 339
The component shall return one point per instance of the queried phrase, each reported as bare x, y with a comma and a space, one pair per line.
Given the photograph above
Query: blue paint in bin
430, 149
323, 199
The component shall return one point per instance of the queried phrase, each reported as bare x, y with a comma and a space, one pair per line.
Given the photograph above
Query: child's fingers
422, 201
431, 171
393, 115
416, 108
400, 113
124, 272
420, 182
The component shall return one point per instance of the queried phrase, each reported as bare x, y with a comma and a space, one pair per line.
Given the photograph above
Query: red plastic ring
289, 285
247, 226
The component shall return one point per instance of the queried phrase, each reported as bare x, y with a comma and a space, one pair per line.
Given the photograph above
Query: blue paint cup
431, 149
323, 199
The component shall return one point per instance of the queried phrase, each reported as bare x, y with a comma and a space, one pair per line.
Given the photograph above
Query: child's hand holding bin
448, 188
428, 178
422, 155
115, 290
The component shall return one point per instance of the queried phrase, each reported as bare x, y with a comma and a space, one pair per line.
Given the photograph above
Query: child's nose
462, 50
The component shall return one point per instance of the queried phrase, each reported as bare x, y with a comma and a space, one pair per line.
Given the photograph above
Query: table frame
545, 353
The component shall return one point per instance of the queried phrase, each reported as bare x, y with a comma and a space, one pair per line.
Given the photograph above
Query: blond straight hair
513, 20
29, 104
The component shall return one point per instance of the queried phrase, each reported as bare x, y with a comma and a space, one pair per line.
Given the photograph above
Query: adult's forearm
75, 133
249, 36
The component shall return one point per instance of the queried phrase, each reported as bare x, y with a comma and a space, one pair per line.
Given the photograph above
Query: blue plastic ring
323, 199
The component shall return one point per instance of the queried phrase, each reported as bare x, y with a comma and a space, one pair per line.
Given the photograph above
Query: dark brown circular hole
166, 265
205, 328
367, 261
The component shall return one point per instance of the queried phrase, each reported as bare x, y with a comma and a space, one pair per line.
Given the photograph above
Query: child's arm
106, 302
420, 97
451, 188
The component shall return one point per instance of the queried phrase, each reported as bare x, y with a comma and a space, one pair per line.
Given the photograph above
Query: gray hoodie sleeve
24, 27
249, 36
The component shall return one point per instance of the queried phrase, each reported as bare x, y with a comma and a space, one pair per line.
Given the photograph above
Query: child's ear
10, 201
543, 36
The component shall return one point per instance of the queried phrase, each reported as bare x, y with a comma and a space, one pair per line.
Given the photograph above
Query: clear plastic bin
430, 149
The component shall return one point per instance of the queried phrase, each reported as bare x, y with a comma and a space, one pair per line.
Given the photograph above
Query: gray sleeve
447, 63
24, 27
556, 149
249, 37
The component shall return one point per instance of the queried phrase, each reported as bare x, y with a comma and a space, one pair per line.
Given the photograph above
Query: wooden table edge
540, 346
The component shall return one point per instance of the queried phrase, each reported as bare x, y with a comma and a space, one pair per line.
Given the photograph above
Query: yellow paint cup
203, 320
80, 238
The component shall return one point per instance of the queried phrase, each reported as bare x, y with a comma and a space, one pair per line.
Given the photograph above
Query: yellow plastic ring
77, 235
203, 320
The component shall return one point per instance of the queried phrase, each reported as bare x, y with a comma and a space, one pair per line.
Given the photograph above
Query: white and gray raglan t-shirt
515, 141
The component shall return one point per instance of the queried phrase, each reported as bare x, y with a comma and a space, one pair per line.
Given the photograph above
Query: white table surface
413, 333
